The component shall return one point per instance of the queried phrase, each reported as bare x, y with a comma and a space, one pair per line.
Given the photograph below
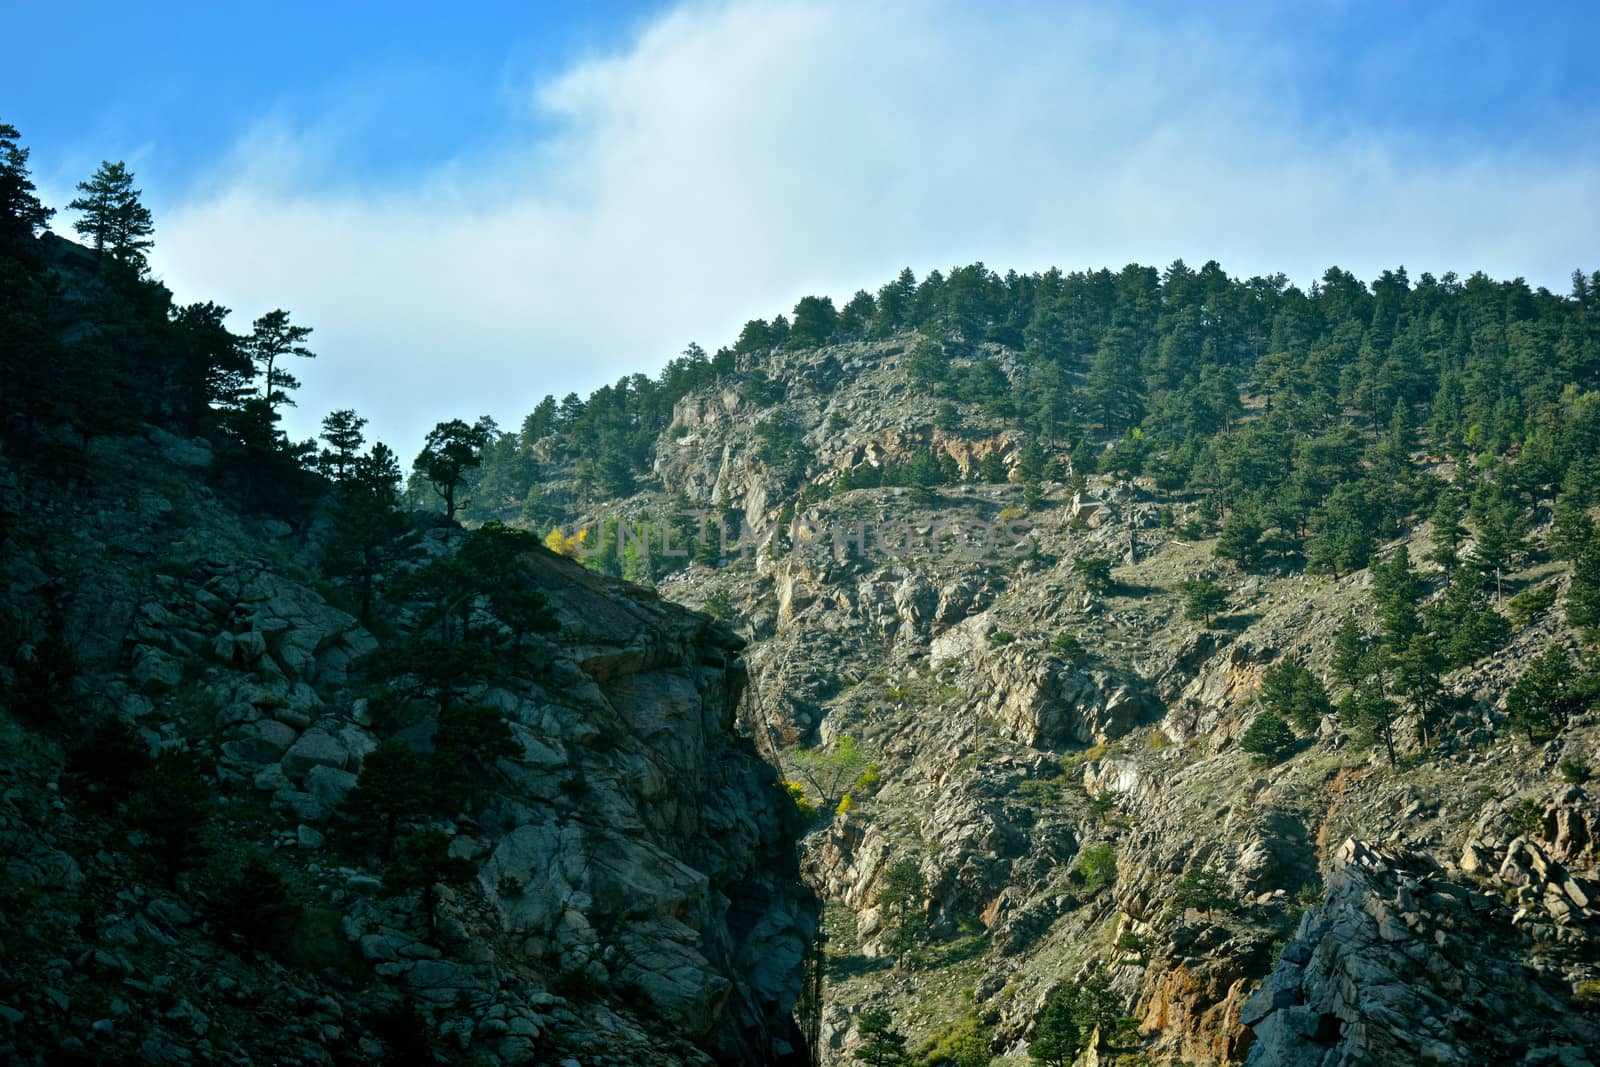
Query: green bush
1097, 867
719, 605
1202, 888
963, 1043
41, 692
171, 807
1527, 817
1128, 941
1527, 607
1292, 692
1268, 739
1069, 648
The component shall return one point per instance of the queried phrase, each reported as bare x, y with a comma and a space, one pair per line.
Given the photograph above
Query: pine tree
928, 365
1499, 529
342, 431
1368, 713
21, 213
1417, 668
1341, 532
815, 320
1448, 533
423, 861
1546, 694
1116, 380
1240, 539
1202, 599
901, 901
372, 536
469, 738
1056, 1039
1396, 590
393, 788
894, 304
881, 1044
1202, 888
1095, 572
1268, 739
1291, 691
1574, 529
1096, 1006
496, 560
1583, 596
1351, 650
207, 369
855, 318
113, 218
450, 450
273, 339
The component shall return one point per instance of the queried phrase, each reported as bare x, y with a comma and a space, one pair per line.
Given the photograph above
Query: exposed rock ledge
1401, 965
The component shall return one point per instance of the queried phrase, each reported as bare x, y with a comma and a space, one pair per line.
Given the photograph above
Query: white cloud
735, 157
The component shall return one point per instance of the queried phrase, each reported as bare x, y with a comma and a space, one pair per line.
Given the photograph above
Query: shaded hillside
220, 805
294, 776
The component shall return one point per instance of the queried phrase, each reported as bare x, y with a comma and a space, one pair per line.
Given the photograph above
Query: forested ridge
1307, 417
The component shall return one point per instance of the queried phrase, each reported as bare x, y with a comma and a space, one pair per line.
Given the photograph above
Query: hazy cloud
734, 158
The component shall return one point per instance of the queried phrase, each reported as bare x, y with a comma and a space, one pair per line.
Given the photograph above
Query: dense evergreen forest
1306, 418
1189, 376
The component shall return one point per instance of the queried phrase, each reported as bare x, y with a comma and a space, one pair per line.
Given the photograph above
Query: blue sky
473, 210
175, 85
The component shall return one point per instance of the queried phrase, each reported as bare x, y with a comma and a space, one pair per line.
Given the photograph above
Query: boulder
1114, 774
156, 672
329, 784
263, 741
315, 748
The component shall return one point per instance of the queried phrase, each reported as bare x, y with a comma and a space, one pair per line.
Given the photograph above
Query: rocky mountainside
187, 719
1058, 759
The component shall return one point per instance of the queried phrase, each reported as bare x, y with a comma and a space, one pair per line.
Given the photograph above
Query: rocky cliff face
633, 892
1011, 764
1409, 962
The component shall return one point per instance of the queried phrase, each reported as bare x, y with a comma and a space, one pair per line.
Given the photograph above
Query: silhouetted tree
372, 536
273, 338
342, 431
112, 216
21, 213
451, 449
